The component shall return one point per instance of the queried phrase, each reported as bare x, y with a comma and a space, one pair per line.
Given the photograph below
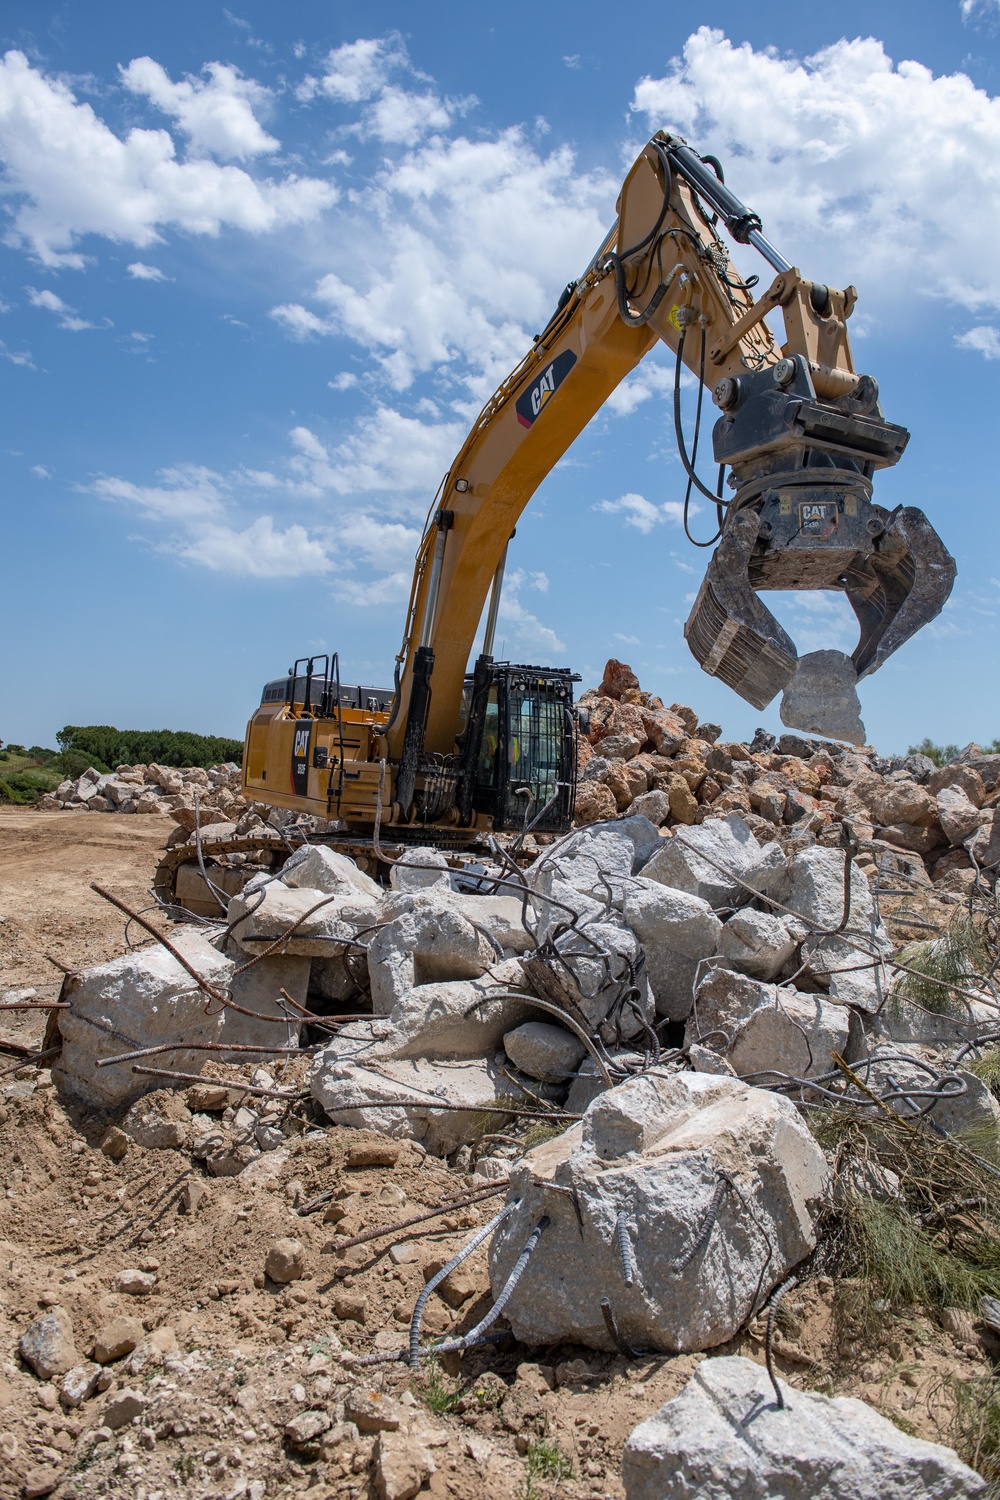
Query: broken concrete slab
543, 1051
725, 1435
758, 943
142, 999
822, 697
316, 867
420, 869
258, 990
719, 1184
677, 931
266, 909
425, 945
730, 853
767, 1033
355, 1093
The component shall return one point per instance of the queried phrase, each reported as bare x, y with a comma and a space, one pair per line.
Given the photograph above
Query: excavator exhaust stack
802, 518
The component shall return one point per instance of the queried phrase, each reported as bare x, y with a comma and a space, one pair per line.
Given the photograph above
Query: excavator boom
800, 434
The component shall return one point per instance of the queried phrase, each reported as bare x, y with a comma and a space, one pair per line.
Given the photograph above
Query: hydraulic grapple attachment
802, 518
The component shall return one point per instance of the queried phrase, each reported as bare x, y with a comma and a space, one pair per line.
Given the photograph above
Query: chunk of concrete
262, 913
677, 931
957, 814
47, 1344
822, 697
593, 858
461, 1017
424, 946
501, 916
318, 868
906, 1073
708, 861
549, 1053
719, 1183
353, 1093
142, 999
759, 943
600, 972
725, 1435
420, 869
812, 887
766, 1033
257, 992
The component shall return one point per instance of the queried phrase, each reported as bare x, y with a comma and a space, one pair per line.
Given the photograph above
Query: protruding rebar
611, 1324
624, 1244
445, 1271
704, 1229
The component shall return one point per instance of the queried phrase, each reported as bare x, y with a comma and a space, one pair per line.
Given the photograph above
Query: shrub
102, 743
941, 755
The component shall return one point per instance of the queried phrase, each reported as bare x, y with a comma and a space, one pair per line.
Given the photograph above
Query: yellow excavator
449, 753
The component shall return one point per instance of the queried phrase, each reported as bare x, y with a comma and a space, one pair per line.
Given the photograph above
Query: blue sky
261, 265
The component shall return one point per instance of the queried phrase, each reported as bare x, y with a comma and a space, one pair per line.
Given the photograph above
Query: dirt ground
227, 1358
47, 861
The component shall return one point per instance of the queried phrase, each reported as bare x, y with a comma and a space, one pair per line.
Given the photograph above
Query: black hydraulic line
688, 463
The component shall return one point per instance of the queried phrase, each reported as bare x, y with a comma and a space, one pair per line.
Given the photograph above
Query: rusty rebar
183, 1046
401, 1224
225, 1083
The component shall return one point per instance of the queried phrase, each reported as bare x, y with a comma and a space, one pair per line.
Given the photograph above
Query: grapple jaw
803, 519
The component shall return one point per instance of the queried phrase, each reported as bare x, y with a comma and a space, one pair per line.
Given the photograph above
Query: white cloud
984, 340
862, 170
189, 493
68, 175
526, 629
68, 316
139, 271
396, 113
626, 640
17, 356
469, 301
345, 381
386, 451
648, 379
643, 514
41, 471
358, 70
259, 551
216, 114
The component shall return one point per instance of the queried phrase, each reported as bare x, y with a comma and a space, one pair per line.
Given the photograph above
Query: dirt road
47, 861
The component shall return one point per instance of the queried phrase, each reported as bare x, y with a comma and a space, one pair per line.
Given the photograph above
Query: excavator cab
517, 747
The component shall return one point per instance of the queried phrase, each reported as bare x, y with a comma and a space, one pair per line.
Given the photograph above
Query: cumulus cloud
643, 514
232, 522
862, 169
524, 627
68, 316
468, 302
139, 271
984, 340
216, 113
361, 73
386, 451
68, 175
258, 551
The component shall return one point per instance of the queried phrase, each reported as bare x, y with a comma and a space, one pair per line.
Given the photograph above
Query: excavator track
451, 842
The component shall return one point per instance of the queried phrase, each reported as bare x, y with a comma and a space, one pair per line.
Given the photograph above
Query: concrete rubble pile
166, 791
638, 755
667, 990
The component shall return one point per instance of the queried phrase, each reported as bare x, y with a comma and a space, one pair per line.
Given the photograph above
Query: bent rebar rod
477, 1335
445, 1271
